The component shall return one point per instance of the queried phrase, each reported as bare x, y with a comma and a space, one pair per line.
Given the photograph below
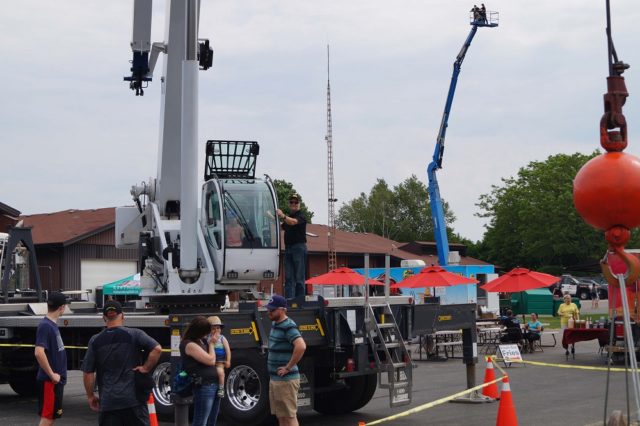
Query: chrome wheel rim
162, 380
243, 388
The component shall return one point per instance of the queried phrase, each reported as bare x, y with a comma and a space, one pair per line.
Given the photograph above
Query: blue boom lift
478, 19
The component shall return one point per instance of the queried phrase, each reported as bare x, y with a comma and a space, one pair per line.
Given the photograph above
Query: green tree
283, 190
370, 213
532, 220
401, 213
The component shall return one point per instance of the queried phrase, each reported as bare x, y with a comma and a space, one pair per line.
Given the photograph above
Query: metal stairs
391, 354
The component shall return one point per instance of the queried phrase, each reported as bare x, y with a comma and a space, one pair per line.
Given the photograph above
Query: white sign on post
510, 353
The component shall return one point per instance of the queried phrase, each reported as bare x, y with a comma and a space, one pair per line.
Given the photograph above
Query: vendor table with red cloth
573, 335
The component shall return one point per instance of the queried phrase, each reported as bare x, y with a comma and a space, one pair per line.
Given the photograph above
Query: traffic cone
492, 390
506, 410
153, 418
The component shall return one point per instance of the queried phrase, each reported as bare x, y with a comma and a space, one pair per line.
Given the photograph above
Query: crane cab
238, 216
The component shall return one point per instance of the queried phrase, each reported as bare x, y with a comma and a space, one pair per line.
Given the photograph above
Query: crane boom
189, 249
435, 201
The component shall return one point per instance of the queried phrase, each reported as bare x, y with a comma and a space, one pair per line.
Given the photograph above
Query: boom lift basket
231, 160
492, 19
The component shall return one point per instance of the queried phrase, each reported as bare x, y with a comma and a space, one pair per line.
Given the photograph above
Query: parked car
577, 287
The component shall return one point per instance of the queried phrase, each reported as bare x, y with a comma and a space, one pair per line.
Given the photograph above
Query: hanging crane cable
606, 193
613, 118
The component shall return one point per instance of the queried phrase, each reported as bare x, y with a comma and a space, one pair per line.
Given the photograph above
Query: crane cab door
251, 235
241, 230
212, 222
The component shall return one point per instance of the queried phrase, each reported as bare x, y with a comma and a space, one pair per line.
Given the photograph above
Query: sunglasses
294, 202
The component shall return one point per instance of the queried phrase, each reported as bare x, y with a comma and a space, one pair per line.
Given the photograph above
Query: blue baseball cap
276, 302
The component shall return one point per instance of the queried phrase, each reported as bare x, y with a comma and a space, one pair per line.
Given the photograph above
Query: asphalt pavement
543, 395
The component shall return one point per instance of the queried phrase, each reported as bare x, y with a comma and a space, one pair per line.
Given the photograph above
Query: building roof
8, 210
431, 248
68, 226
360, 243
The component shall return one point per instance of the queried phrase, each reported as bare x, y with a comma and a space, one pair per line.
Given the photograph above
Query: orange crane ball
606, 193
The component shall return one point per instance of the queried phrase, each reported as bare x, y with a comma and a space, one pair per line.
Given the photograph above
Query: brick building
76, 250
352, 246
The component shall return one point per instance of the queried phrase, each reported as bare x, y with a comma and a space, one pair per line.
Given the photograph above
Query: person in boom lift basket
483, 14
52, 361
295, 252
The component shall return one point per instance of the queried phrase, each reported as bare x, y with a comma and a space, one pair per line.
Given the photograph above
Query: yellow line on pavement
575, 367
432, 404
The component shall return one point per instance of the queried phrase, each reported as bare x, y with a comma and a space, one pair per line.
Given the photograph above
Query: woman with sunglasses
295, 248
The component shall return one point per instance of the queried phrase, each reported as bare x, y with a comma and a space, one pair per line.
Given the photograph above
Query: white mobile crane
187, 250
191, 255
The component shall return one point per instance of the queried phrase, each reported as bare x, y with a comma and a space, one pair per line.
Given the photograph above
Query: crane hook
632, 262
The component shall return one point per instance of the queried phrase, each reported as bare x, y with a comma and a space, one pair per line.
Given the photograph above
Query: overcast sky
74, 136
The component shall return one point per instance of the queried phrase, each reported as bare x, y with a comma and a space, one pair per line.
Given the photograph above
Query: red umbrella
341, 276
520, 279
434, 276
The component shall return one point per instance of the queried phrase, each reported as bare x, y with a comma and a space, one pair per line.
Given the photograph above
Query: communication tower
333, 263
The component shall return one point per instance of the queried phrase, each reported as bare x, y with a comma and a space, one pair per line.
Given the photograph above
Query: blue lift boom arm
437, 210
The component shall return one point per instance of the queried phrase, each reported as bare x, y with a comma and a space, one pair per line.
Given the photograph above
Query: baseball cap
276, 302
294, 196
57, 299
111, 308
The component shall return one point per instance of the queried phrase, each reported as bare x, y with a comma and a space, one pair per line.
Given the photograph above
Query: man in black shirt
115, 356
295, 248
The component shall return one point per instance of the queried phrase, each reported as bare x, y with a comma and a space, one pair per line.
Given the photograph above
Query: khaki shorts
283, 397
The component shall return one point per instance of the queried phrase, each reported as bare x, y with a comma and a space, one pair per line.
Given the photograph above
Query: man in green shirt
286, 348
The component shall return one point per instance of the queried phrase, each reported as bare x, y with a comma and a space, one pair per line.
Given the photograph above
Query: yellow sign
308, 327
444, 318
247, 330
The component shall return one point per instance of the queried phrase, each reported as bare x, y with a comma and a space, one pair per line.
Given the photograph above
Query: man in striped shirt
286, 347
